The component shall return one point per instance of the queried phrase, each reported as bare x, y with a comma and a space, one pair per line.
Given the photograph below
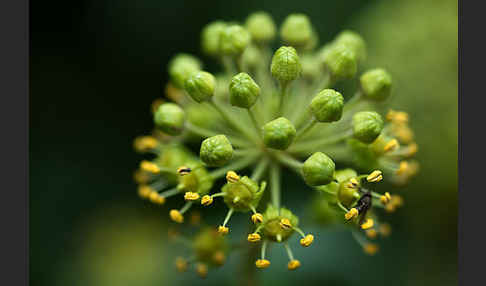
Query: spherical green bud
210, 37
318, 170
243, 194
181, 67
216, 150
376, 84
243, 91
296, 30
261, 27
341, 61
285, 65
367, 126
200, 86
170, 118
279, 133
327, 106
234, 40
251, 58
353, 41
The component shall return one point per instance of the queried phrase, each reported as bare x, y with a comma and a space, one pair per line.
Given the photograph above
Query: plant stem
275, 185
260, 169
254, 121
289, 161
305, 129
232, 122
240, 164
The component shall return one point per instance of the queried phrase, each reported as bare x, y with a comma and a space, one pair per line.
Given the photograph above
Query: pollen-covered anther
254, 237
176, 216
232, 177
371, 233
391, 145
307, 240
257, 218
397, 116
149, 167
190, 196
375, 176
202, 270
145, 143
219, 257
153, 196
181, 264
183, 170
367, 224
262, 263
352, 213
386, 198
370, 248
285, 223
206, 200
402, 168
412, 149
223, 230
353, 183
293, 264
144, 191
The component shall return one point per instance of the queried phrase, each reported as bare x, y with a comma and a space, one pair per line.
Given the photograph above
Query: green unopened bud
296, 30
216, 150
353, 41
170, 118
279, 133
210, 37
234, 40
318, 170
376, 84
261, 27
181, 67
285, 65
251, 58
367, 126
244, 194
341, 61
327, 106
243, 91
200, 86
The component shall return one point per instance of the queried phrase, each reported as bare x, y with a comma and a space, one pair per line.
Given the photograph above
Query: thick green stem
275, 185
260, 169
289, 161
305, 129
254, 121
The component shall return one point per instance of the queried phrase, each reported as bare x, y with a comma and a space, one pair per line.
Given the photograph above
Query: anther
190, 196
232, 177
182, 171
285, 223
307, 240
375, 176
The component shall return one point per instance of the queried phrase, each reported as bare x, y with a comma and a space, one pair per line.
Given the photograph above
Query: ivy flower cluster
268, 114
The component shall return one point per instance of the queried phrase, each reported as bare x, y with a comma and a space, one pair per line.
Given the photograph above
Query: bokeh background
97, 65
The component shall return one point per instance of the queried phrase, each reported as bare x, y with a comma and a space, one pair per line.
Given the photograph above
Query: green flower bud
210, 37
181, 67
347, 194
173, 156
296, 30
244, 194
170, 118
353, 41
261, 27
216, 150
341, 61
285, 65
376, 84
251, 58
200, 86
279, 133
318, 170
197, 181
206, 243
234, 40
333, 187
327, 106
243, 91
271, 223
367, 126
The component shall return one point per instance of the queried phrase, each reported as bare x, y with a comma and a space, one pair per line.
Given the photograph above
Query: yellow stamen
202, 270
144, 191
371, 233
353, 183
181, 264
397, 116
262, 263
183, 170
391, 145
396, 200
293, 264
176, 216
375, 176
149, 167
257, 218
206, 200
141, 177
403, 133
352, 213
370, 248
285, 223
412, 149
307, 240
219, 257
402, 168
153, 196
190, 196
367, 224
232, 177
223, 230
145, 143
160, 200
254, 237
385, 199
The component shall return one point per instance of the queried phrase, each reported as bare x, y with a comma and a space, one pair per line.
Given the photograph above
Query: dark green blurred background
97, 65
